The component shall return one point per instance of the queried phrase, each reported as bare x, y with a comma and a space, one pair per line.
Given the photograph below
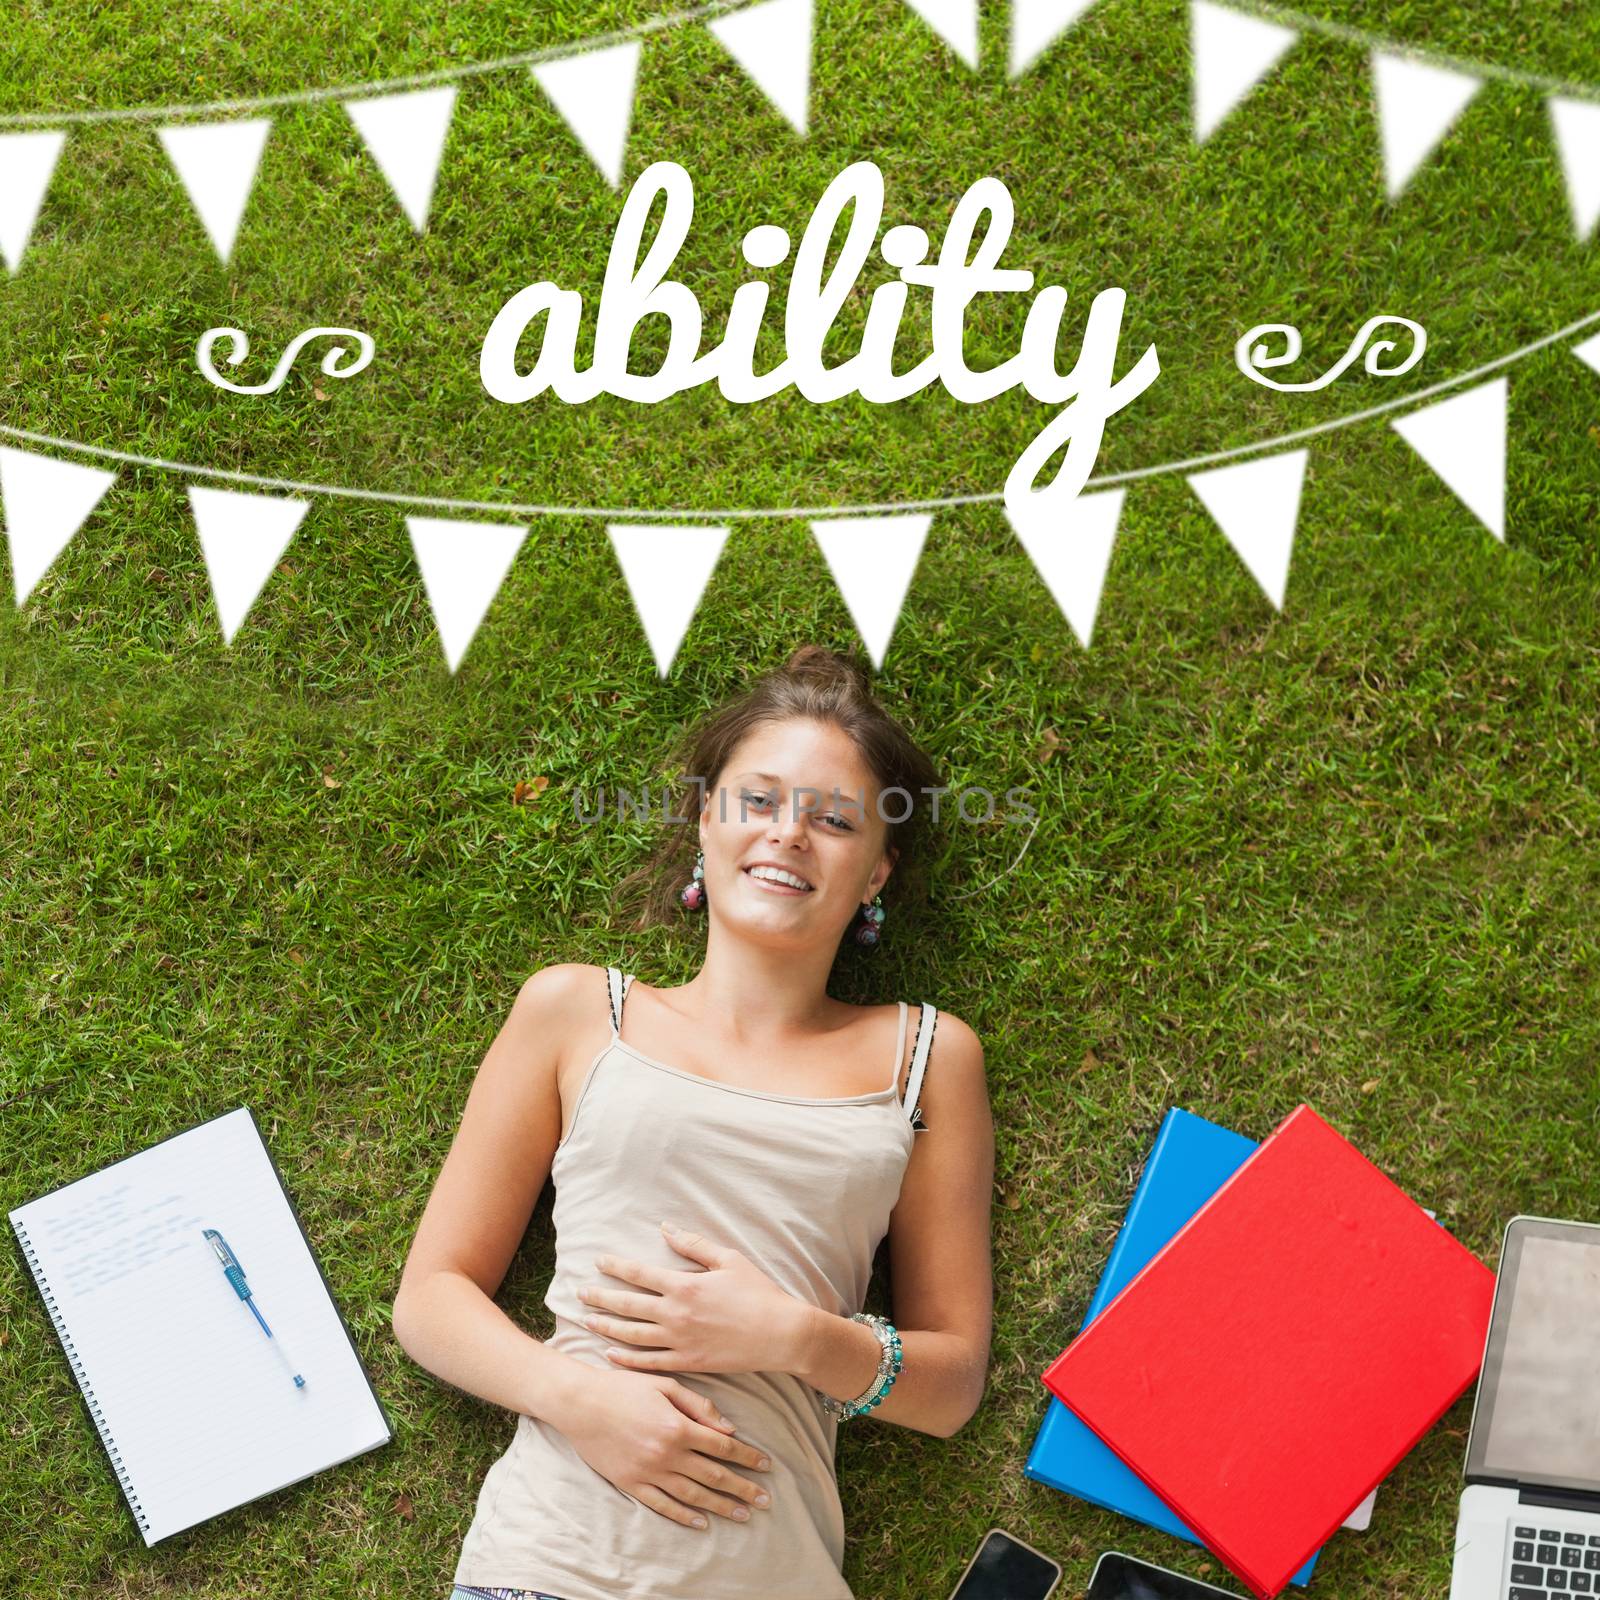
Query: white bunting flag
1072, 553
1036, 25
872, 559
217, 162
1589, 351
1417, 103
242, 538
1464, 440
594, 94
955, 21
1232, 53
46, 501
666, 569
26, 162
406, 134
772, 42
463, 565
1256, 504
1577, 129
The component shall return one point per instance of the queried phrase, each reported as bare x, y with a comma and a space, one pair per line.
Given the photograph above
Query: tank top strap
618, 985
899, 1049
927, 1025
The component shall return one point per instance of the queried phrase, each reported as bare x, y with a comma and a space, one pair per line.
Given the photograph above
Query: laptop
1529, 1524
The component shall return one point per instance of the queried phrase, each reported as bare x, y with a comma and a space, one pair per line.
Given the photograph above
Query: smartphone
1120, 1577
1004, 1568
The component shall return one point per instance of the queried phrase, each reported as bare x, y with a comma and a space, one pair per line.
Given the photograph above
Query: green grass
1345, 854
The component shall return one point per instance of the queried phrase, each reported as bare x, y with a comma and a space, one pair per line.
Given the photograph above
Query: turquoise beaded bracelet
889, 1361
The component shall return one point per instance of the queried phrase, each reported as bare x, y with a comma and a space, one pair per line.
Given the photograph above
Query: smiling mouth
774, 883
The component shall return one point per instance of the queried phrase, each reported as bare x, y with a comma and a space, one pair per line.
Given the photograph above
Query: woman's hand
730, 1318
664, 1444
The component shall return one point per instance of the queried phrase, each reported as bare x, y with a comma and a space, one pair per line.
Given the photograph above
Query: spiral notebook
196, 1407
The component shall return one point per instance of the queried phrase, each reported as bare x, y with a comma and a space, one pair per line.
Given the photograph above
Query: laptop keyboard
1550, 1564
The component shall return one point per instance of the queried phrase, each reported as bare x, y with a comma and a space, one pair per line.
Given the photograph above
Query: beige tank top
803, 1187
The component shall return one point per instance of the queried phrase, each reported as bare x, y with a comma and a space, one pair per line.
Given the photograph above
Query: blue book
1190, 1161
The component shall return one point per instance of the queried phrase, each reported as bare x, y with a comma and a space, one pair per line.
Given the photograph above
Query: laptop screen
1538, 1414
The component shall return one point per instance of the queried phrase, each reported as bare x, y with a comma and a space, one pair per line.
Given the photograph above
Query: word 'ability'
633, 290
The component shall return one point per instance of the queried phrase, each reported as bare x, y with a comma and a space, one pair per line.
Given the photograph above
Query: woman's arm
444, 1312
939, 1258
653, 1437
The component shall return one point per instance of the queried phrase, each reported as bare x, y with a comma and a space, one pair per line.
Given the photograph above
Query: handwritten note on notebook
196, 1409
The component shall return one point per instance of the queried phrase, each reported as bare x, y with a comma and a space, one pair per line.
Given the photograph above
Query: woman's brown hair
823, 686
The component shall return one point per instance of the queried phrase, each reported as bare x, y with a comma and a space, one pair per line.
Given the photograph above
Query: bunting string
510, 508
404, 121
1050, 18
416, 80
668, 557
1301, 22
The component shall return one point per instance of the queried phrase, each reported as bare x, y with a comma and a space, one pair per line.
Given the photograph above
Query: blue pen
234, 1273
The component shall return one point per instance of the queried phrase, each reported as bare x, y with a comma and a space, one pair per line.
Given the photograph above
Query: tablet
1120, 1577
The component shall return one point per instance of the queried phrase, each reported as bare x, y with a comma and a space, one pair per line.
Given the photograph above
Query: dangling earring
693, 894
871, 922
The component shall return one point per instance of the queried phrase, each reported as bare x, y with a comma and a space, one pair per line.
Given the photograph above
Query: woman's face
775, 804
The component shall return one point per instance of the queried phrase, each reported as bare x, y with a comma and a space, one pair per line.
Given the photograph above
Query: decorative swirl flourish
239, 348
1248, 357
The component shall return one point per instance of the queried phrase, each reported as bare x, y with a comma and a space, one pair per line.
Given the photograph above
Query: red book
1283, 1352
